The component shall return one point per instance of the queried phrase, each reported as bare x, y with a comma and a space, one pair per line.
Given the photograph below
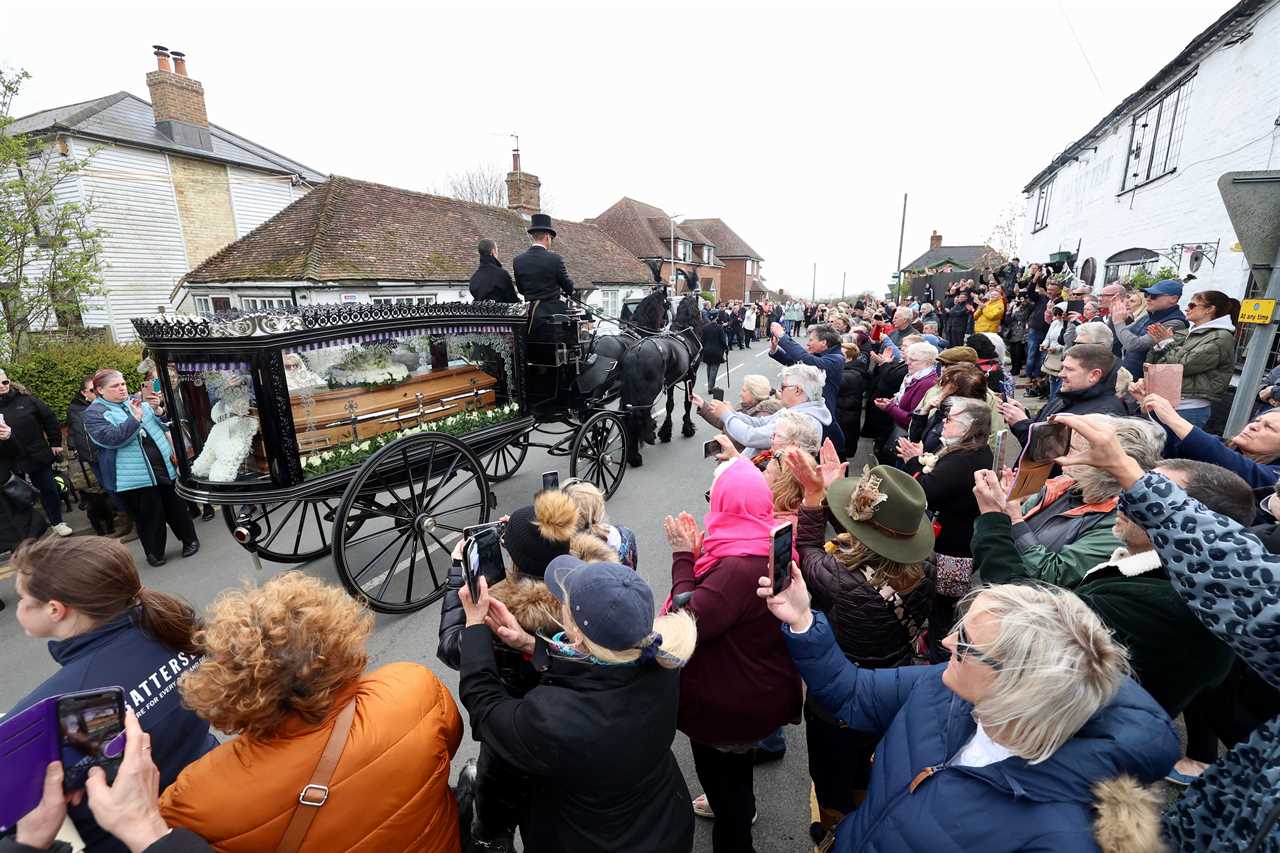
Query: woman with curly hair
870, 581
283, 666
105, 629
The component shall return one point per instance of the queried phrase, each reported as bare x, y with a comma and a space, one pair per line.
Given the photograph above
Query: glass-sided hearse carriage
372, 432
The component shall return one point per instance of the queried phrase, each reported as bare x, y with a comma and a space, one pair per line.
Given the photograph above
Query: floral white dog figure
233, 430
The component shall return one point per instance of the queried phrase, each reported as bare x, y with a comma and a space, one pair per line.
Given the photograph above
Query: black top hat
541, 222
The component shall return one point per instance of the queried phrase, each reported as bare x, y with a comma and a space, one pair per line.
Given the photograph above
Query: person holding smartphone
106, 629
739, 686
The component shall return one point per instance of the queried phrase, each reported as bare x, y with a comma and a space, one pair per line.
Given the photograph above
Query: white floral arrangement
353, 453
927, 462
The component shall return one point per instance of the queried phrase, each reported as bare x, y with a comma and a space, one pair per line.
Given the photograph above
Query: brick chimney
524, 191
935, 240
178, 101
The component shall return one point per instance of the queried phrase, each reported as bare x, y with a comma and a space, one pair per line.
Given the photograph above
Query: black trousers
728, 780
151, 508
502, 794
1229, 712
1018, 355
839, 760
942, 617
713, 372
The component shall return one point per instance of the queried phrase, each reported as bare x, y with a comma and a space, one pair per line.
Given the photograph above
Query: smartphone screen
550, 479
487, 555
1047, 441
997, 463
87, 722
471, 568
780, 557
710, 448
717, 394
155, 386
1075, 305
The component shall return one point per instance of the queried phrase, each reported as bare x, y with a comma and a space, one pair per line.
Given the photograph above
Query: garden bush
53, 371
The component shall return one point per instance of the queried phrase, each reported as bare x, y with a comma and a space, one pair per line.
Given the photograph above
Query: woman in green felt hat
871, 583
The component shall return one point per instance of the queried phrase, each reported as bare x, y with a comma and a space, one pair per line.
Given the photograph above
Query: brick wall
738, 284
177, 98
203, 193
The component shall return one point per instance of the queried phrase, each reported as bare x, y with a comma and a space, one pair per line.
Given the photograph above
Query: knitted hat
958, 355
537, 534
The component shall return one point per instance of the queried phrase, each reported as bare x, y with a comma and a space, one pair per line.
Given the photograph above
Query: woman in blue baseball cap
596, 733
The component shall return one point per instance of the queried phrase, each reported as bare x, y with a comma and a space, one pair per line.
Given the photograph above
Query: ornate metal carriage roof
254, 324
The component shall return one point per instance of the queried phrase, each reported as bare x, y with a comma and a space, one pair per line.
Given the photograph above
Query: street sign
1252, 200
1257, 311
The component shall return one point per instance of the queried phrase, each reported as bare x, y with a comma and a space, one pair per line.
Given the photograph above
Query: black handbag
19, 492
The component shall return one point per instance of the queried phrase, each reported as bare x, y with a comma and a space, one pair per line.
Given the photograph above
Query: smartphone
155, 386
717, 394
710, 449
997, 464
1047, 441
1075, 305
87, 722
2, 423
780, 556
482, 558
550, 479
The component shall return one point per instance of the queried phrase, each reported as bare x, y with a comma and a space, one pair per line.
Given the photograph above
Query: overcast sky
801, 128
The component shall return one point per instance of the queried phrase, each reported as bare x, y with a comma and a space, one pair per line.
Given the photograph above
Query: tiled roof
965, 257
727, 242
129, 120
349, 230
642, 228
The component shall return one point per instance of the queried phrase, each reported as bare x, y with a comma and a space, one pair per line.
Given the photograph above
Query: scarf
912, 379
740, 518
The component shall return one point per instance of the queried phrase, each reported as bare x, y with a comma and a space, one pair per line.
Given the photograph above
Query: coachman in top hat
542, 279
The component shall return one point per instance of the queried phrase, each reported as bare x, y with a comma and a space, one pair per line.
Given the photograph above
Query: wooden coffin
328, 418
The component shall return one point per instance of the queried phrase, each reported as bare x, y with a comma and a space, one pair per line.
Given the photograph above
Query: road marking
765, 352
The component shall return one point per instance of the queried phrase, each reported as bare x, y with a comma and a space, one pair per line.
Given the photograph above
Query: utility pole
813, 295
902, 232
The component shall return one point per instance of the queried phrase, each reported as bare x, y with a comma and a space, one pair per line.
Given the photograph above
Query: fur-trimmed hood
1127, 817
528, 598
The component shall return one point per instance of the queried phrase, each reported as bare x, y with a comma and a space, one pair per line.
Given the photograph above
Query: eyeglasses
1194, 304
4, 382
966, 649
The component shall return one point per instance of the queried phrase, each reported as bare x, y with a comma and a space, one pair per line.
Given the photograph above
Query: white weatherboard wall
257, 196
1234, 104
143, 253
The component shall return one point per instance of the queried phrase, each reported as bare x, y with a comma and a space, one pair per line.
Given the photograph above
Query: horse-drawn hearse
373, 432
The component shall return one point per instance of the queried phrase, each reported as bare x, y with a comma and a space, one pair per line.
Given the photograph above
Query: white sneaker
62, 529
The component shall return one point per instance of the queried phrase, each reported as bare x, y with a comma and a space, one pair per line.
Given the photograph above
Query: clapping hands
683, 533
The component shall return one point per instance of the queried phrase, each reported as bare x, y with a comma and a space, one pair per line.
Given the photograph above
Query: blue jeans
776, 742
1197, 417
1034, 356
1054, 385
50, 497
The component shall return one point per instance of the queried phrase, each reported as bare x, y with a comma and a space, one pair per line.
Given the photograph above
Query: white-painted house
1140, 188
168, 188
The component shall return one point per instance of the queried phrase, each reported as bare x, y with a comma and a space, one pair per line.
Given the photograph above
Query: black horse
660, 361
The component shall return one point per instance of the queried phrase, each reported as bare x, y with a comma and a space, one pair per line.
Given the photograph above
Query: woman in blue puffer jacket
137, 461
1032, 737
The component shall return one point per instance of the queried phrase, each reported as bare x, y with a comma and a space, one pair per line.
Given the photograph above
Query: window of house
264, 303
209, 305
684, 250
612, 302
1043, 196
1155, 138
416, 299
204, 305
708, 255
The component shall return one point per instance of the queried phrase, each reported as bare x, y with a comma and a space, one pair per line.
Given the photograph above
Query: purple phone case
28, 742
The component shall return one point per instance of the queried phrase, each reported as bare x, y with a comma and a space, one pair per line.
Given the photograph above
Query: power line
1070, 26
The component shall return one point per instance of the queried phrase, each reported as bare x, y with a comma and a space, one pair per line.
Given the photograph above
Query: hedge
53, 372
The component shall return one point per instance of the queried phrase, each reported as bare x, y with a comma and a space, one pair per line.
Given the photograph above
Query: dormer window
708, 254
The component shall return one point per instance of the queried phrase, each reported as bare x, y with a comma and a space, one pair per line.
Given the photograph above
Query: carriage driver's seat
554, 354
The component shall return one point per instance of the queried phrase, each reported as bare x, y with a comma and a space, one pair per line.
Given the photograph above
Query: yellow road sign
1257, 311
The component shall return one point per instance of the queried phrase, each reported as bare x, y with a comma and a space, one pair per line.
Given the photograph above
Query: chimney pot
162, 57
515, 160
935, 240
179, 62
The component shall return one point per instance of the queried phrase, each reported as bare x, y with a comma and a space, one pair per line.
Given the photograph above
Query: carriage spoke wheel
413, 496
599, 452
506, 459
295, 531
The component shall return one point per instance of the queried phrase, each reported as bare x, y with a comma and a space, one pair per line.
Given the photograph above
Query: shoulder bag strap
316, 792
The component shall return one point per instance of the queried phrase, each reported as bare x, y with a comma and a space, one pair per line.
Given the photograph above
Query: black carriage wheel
290, 531
506, 459
413, 497
599, 452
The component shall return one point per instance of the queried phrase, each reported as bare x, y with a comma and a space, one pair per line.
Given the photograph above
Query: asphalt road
673, 478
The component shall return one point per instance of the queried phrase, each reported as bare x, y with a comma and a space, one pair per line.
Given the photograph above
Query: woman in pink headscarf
740, 685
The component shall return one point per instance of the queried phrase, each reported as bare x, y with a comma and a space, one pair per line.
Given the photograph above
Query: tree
1006, 235
482, 185
49, 250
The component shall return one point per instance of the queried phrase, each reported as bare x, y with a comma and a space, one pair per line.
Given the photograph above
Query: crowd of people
972, 671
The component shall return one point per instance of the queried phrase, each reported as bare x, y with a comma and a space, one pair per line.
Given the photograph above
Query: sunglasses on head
966, 649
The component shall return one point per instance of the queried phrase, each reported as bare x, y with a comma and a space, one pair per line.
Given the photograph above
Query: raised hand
830, 465
908, 450
503, 623
801, 466
792, 605
477, 610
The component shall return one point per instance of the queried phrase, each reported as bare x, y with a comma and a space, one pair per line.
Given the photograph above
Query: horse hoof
689, 432
636, 462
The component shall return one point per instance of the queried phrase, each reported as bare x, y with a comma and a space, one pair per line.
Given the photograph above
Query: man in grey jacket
801, 392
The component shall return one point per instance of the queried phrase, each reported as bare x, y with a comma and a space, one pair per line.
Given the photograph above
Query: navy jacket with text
831, 363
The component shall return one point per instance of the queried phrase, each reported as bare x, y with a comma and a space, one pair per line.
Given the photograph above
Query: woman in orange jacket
281, 663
